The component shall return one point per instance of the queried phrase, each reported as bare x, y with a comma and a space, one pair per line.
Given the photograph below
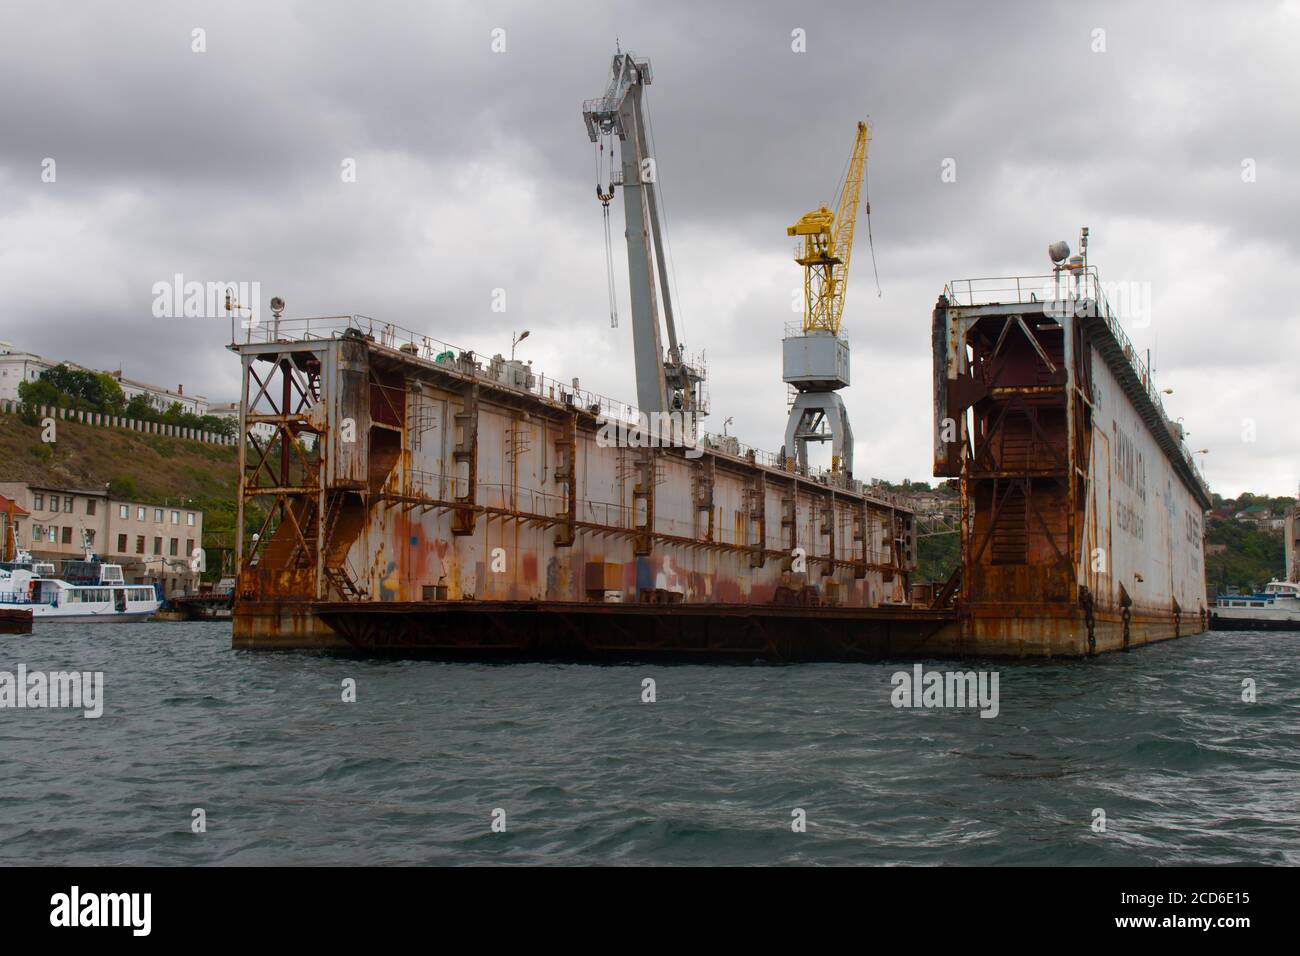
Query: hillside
1250, 559
150, 469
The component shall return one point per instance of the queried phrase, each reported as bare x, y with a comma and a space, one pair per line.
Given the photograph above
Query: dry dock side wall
398, 478
1082, 514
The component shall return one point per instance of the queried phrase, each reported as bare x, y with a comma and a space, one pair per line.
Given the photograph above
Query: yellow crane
828, 246
815, 363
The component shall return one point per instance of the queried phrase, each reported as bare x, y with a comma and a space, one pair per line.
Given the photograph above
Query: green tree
141, 408
104, 391
40, 392
123, 487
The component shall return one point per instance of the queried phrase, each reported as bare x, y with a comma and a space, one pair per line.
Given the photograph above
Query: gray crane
661, 385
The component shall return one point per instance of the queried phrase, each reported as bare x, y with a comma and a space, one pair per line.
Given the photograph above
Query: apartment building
17, 366
155, 544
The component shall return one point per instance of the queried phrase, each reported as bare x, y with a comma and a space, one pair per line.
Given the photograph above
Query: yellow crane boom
828, 246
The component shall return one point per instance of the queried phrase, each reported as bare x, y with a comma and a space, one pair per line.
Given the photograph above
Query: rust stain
448, 467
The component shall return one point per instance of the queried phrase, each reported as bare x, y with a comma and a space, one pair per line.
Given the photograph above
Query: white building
230, 411
17, 367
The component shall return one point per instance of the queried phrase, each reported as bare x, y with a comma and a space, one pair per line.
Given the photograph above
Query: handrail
1067, 293
467, 362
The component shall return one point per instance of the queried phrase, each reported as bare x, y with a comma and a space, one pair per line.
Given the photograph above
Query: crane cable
609, 273
866, 193
605, 196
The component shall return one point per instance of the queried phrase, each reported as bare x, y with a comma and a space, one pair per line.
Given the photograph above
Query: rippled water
586, 773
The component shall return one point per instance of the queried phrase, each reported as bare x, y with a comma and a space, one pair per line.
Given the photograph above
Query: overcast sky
474, 173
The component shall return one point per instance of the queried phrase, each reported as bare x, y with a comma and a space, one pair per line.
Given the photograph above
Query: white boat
1276, 608
95, 593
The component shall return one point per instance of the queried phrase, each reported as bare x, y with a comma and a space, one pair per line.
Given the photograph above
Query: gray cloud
474, 173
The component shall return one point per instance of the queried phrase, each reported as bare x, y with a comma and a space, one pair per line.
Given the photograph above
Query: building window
90, 537
54, 534
67, 505
139, 544
38, 502
121, 544
139, 514
157, 545
176, 517
172, 546
123, 511
157, 515
38, 530
189, 546
90, 506
54, 503
67, 535
189, 518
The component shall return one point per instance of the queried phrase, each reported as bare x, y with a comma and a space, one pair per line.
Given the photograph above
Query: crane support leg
808, 411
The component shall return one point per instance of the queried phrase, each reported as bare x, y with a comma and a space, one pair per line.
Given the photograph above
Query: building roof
63, 490
9, 506
10, 352
161, 389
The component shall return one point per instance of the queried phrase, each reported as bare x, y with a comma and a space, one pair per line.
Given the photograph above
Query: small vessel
90, 590
15, 620
1276, 608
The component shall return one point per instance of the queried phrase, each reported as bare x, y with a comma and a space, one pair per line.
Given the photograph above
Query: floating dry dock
1082, 510
420, 500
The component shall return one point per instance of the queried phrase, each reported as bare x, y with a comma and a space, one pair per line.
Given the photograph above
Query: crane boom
828, 244
663, 385
846, 218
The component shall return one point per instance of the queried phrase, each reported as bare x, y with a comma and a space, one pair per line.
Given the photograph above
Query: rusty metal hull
1082, 526
15, 621
578, 631
401, 480
1027, 631
282, 626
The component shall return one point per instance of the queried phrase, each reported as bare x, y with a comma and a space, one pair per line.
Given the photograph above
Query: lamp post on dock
515, 340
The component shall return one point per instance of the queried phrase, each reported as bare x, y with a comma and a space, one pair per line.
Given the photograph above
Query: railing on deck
457, 359
21, 600
1068, 293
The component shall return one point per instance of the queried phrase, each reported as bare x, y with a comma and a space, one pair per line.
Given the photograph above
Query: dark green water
1158, 738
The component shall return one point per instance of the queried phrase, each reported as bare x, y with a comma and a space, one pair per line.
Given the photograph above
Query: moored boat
1276, 608
91, 590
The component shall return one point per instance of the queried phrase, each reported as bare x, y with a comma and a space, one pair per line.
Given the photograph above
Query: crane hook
605, 196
